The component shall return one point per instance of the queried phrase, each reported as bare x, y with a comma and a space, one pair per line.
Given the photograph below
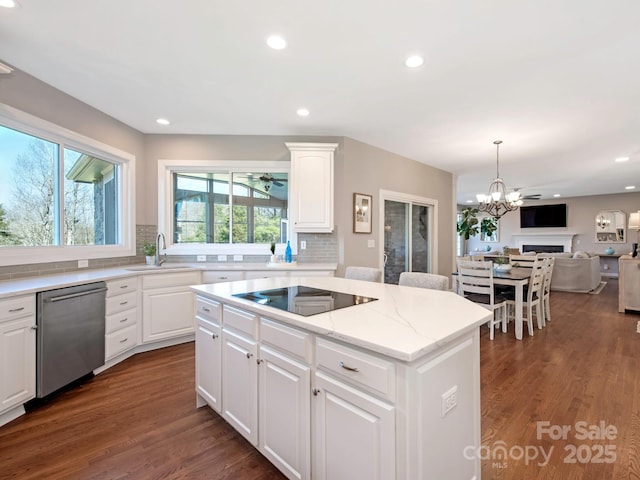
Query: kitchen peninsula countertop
28, 285
405, 323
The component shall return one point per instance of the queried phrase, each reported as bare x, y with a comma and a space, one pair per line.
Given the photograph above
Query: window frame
31, 125
166, 168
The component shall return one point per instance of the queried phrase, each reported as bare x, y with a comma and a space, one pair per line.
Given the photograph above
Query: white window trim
29, 124
165, 201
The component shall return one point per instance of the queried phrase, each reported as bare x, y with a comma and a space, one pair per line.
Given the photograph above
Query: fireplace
543, 248
537, 241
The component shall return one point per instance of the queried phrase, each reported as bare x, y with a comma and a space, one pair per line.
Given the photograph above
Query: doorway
408, 223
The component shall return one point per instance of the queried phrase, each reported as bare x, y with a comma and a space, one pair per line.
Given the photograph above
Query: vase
151, 259
273, 259
609, 251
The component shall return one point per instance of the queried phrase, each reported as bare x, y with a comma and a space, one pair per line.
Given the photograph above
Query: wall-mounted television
543, 216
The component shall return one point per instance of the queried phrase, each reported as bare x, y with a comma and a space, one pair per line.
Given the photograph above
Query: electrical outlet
449, 400
371, 243
222, 258
201, 258
237, 258
303, 244
83, 263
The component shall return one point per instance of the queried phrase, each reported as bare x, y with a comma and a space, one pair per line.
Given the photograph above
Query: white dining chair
532, 303
546, 290
475, 283
522, 261
424, 280
363, 273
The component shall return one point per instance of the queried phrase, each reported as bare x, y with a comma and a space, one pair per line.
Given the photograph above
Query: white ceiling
558, 82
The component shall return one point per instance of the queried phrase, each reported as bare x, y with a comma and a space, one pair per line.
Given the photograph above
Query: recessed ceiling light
622, 159
630, 187
303, 112
557, 195
414, 61
7, 3
163, 121
469, 201
276, 42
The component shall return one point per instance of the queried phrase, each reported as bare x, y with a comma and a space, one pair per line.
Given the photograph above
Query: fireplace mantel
564, 239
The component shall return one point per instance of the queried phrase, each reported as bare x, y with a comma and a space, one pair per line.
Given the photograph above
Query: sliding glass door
408, 233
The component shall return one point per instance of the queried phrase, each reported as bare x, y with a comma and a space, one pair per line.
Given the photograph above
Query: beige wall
367, 169
358, 167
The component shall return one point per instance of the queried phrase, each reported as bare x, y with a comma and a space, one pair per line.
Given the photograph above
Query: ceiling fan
268, 180
533, 196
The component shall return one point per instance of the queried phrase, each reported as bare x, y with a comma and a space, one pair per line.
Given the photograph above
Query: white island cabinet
387, 389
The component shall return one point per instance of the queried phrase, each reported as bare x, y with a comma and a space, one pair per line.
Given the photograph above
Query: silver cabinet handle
14, 310
315, 392
34, 327
347, 367
214, 335
223, 278
249, 355
259, 361
124, 303
205, 309
124, 320
122, 341
124, 286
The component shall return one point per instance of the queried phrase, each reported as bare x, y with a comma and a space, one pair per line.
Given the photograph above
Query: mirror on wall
610, 226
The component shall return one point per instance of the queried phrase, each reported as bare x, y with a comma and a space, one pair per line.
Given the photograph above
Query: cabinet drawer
162, 280
212, 276
118, 287
209, 309
121, 303
120, 341
17, 307
286, 338
374, 374
266, 274
121, 320
240, 320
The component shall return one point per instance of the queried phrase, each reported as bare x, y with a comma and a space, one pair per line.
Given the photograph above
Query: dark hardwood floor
138, 419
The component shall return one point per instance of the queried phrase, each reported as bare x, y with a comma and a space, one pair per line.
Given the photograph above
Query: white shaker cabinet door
209, 362
354, 433
285, 413
17, 362
240, 384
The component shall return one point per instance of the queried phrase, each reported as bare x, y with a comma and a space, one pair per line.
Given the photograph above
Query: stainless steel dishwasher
70, 335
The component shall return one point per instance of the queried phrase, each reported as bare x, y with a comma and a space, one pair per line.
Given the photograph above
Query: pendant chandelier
499, 200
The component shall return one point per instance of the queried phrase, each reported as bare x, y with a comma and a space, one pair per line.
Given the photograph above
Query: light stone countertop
29, 285
405, 323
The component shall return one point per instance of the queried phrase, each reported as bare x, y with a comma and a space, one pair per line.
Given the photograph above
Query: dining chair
533, 297
546, 289
522, 261
424, 280
363, 273
475, 283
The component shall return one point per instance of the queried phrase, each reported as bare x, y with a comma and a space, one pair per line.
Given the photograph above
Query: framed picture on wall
362, 213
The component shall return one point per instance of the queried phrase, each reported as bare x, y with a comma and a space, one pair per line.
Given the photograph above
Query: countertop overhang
405, 323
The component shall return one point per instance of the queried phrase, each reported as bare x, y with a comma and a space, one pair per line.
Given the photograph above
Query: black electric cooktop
304, 301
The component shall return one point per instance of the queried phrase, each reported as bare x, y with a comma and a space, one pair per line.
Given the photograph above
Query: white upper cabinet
311, 203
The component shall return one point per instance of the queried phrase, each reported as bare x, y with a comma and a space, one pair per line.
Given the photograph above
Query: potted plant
468, 225
488, 226
149, 250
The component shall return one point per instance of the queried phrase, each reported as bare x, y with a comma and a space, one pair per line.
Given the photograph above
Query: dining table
516, 277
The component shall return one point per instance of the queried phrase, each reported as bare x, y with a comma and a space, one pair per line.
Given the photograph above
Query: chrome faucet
159, 261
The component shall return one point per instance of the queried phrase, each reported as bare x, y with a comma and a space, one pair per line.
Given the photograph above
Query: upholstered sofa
577, 272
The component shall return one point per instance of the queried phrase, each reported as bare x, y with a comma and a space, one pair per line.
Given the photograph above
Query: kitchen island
386, 388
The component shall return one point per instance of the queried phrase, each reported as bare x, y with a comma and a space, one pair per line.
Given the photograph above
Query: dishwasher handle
74, 295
